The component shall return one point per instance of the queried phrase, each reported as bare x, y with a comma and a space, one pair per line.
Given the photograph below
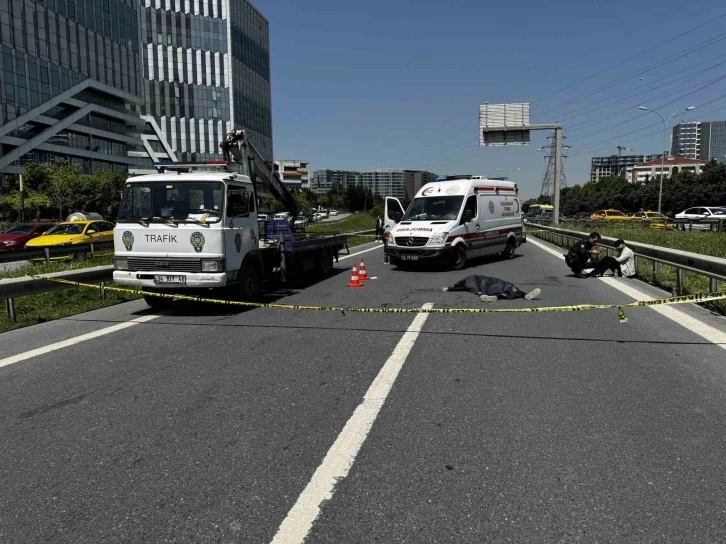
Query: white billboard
503, 124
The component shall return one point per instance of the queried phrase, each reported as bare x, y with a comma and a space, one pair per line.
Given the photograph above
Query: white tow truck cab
453, 220
194, 227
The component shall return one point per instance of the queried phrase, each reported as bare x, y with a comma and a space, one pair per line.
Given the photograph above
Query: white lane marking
364, 251
712, 334
75, 340
342, 453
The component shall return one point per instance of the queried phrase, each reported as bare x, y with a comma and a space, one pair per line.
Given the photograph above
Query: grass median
355, 223
34, 309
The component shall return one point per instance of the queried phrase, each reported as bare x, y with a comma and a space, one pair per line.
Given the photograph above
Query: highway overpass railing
713, 268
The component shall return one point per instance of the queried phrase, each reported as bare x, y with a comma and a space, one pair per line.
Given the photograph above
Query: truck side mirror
468, 216
397, 217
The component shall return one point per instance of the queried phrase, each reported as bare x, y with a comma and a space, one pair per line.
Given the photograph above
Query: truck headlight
438, 239
121, 264
212, 266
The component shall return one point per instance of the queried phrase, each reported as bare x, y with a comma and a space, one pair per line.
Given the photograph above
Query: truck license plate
409, 257
170, 279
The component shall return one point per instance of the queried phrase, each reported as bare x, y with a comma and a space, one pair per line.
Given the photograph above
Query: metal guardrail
12, 288
714, 224
714, 268
54, 252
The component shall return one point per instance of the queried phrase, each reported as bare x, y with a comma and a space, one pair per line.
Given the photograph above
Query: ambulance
453, 220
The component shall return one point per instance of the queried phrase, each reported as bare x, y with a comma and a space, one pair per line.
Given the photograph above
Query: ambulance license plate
409, 257
170, 279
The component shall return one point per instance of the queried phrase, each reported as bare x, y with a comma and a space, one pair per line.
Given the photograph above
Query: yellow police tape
685, 299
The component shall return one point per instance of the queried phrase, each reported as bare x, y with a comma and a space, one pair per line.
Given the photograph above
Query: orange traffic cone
354, 280
363, 276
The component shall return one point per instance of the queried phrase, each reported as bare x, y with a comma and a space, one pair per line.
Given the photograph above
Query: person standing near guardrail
622, 265
379, 229
583, 254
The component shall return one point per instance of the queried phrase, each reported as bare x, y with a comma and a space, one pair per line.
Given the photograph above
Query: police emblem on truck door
128, 239
197, 240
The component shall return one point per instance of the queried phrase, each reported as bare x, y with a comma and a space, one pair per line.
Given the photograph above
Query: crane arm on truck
237, 147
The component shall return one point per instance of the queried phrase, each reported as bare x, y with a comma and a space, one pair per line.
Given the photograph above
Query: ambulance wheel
509, 250
158, 303
249, 284
458, 257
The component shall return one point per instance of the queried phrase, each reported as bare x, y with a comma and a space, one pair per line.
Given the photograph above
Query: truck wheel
158, 303
458, 257
509, 250
249, 284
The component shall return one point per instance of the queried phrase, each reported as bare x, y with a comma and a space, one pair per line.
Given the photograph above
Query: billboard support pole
508, 124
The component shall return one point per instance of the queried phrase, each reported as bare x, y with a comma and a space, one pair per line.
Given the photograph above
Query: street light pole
665, 135
22, 200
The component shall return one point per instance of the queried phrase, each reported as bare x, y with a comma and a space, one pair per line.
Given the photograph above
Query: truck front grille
151, 264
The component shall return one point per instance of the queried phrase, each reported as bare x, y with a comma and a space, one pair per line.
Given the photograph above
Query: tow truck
193, 227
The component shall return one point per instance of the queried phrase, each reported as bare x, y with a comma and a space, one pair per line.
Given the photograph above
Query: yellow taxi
654, 220
609, 215
71, 233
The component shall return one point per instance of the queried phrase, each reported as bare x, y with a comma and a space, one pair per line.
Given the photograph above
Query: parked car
609, 215
698, 214
317, 216
71, 233
300, 222
654, 220
16, 237
262, 217
333, 212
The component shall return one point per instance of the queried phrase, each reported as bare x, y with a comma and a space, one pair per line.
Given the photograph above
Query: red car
16, 237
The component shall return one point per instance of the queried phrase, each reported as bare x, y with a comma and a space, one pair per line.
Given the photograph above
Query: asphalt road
208, 423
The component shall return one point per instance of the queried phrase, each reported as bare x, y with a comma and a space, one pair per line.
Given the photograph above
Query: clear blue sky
398, 83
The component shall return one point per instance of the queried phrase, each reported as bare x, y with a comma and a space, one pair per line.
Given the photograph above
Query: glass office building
70, 83
206, 71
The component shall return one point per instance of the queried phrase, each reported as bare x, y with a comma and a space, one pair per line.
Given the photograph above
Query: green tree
34, 204
60, 184
303, 204
271, 203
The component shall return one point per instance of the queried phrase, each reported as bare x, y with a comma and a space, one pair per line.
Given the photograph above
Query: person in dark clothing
489, 289
379, 229
583, 254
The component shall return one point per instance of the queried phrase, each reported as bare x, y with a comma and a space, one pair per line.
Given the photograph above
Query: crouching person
583, 254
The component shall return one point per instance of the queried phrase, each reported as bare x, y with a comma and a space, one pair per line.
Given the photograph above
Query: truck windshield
168, 201
434, 208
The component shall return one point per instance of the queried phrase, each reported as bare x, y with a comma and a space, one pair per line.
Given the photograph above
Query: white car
333, 212
697, 215
300, 221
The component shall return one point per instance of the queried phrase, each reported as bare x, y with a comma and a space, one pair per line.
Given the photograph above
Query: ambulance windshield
434, 208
